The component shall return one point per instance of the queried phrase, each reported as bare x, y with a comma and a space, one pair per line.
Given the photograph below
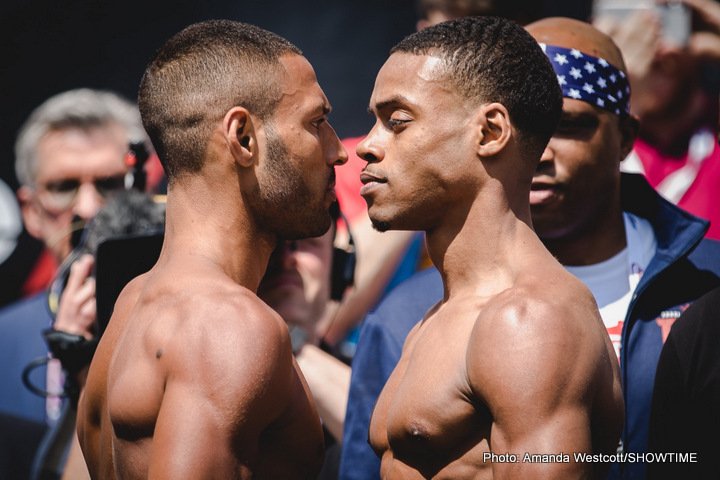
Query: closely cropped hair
83, 109
200, 74
491, 59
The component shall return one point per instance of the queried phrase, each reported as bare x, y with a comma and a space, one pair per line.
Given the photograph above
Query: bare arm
535, 367
75, 468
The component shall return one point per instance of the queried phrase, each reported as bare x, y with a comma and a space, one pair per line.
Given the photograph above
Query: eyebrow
325, 108
577, 116
393, 102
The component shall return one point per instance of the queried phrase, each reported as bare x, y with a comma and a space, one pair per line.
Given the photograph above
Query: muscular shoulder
229, 324
222, 341
537, 338
553, 309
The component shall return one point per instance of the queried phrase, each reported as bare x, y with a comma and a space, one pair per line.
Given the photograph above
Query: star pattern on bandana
588, 78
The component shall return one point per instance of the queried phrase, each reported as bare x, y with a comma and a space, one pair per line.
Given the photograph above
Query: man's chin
380, 225
310, 228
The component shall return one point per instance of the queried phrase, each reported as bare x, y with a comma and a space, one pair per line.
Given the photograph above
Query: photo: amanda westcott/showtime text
582, 457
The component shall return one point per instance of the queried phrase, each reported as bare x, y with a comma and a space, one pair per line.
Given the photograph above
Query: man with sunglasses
71, 154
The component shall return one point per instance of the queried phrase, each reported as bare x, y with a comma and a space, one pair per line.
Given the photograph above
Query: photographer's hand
77, 309
705, 41
638, 37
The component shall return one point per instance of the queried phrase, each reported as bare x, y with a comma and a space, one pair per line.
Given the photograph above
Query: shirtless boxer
515, 359
194, 377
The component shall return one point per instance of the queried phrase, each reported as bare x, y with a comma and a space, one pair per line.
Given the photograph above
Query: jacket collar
677, 232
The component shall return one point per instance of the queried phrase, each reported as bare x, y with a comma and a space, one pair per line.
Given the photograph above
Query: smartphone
676, 23
675, 17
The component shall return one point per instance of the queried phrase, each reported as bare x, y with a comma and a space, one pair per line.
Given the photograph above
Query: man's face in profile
296, 177
419, 146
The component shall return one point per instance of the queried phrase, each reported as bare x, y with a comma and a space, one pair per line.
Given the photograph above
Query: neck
480, 249
216, 230
598, 241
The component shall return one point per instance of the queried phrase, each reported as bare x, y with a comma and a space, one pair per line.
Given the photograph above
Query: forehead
416, 80
73, 152
578, 108
299, 88
570, 105
571, 34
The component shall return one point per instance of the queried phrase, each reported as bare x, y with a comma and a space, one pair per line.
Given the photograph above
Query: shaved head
570, 33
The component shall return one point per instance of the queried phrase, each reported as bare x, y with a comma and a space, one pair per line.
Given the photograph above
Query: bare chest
135, 391
426, 416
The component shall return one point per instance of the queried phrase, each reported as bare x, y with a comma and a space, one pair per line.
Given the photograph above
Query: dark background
48, 46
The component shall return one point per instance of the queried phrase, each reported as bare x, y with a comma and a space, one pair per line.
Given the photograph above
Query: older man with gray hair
71, 154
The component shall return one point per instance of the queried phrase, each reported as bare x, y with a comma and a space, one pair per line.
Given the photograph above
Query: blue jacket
684, 267
21, 341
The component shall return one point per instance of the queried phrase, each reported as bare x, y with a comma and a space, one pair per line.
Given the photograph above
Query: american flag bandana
590, 79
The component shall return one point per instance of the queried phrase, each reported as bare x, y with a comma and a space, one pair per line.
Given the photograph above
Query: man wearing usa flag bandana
644, 259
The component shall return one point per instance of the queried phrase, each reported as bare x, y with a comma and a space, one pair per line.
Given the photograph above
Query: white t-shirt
613, 281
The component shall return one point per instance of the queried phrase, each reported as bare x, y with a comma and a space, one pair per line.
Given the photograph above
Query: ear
629, 127
239, 133
494, 129
32, 218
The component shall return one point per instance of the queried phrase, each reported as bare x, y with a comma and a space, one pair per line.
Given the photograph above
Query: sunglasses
59, 195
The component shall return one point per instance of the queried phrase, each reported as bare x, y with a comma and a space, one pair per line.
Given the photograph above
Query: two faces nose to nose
371, 153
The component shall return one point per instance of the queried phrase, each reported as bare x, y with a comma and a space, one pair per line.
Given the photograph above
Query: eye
108, 185
317, 123
63, 186
577, 125
397, 124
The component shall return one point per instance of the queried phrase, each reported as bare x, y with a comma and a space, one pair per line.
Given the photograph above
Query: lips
330, 189
331, 180
370, 181
543, 192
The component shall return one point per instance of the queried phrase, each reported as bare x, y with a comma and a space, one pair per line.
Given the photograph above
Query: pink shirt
702, 197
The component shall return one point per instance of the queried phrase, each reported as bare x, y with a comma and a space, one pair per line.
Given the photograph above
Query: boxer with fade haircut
194, 376
200, 74
514, 359
475, 61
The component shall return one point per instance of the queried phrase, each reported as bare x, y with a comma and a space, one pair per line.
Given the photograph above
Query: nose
336, 153
548, 154
369, 149
87, 202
